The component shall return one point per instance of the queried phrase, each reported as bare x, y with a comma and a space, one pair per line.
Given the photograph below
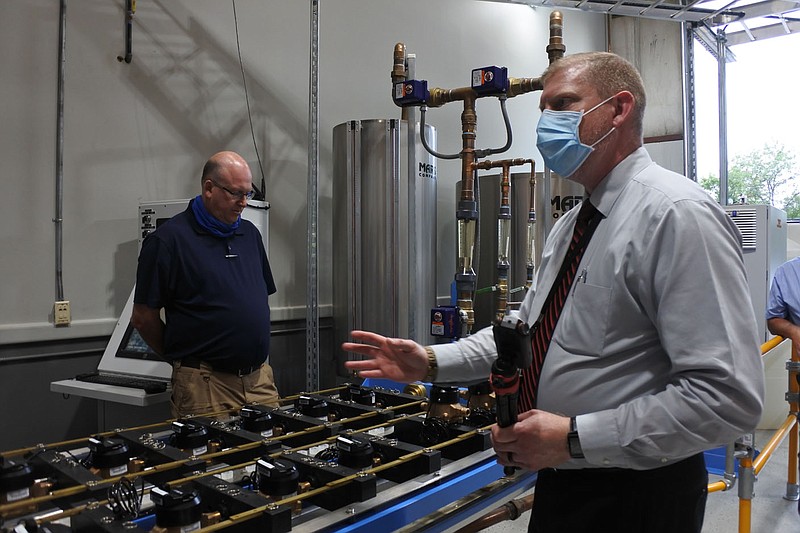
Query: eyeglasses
238, 196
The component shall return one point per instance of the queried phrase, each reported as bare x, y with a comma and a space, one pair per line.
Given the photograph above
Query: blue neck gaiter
209, 223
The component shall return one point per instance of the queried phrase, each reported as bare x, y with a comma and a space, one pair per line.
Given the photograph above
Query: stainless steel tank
384, 230
563, 196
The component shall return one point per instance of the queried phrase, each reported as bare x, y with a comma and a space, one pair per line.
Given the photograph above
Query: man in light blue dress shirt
783, 304
655, 357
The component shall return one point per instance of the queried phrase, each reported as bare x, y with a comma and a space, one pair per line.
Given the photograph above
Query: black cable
434, 430
509, 136
422, 110
126, 501
329, 454
86, 462
260, 193
479, 417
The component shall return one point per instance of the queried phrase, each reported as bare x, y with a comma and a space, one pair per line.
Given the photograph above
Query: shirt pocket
584, 322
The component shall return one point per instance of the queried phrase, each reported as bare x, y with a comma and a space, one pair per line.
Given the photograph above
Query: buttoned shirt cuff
600, 439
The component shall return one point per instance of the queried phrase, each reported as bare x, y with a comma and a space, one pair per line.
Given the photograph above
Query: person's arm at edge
404, 360
148, 323
784, 328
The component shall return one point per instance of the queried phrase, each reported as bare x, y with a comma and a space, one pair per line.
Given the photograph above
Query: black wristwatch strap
573, 441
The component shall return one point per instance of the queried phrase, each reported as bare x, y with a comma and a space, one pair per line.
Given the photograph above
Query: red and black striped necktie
588, 218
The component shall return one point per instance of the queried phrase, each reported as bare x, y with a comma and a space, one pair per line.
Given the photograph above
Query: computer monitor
128, 353
133, 346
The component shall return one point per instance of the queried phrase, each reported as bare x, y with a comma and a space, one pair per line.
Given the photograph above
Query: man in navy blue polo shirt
208, 270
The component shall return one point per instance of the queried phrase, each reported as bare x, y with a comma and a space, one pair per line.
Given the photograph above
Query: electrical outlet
61, 313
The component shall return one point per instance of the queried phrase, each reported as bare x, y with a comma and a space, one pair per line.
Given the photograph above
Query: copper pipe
517, 86
508, 511
438, 97
467, 210
487, 164
505, 186
399, 72
556, 48
465, 297
469, 127
399, 67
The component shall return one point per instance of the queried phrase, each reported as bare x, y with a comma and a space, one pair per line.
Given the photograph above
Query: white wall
792, 241
142, 131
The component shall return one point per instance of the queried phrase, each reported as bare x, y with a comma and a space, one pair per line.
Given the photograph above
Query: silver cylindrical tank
384, 230
564, 195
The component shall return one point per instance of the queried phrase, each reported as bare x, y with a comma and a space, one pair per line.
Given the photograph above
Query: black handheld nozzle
512, 337
505, 384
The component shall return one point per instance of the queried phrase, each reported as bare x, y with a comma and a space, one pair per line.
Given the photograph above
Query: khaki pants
203, 390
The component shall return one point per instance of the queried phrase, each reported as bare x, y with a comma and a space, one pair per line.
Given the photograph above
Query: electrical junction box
490, 80
61, 314
153, 214
410, 93
446, 322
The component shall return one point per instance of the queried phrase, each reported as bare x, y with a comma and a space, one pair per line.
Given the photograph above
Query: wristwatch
573, 441
433, 367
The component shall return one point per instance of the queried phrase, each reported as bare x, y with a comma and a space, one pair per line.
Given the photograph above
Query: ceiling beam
652, 9
778, 29
767, 8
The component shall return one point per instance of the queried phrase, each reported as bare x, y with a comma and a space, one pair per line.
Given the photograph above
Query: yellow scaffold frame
750, 467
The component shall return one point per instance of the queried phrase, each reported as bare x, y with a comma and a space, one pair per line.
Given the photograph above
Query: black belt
679, 471
194, 362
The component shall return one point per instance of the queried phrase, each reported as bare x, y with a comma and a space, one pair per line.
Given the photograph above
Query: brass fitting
399, 68
556, 48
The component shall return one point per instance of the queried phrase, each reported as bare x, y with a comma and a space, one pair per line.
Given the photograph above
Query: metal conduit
312, 289
689, 104
58, 219
723, 119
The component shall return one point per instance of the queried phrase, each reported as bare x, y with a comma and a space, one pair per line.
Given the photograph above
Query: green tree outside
762, 176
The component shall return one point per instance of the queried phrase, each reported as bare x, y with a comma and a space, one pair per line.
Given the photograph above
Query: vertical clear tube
466, 245
503, 240
503, 262
530, 261
503, 243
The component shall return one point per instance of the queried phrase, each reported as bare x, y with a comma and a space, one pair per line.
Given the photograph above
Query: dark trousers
671, 499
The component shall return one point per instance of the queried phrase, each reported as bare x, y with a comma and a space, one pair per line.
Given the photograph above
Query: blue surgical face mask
558, 141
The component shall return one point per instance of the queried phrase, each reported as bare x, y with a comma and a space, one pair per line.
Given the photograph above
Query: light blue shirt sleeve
784, 294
